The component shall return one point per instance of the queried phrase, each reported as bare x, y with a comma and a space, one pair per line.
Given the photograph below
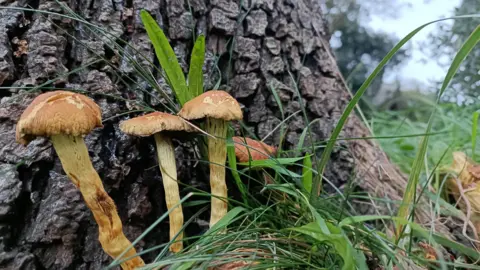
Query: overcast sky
418, 13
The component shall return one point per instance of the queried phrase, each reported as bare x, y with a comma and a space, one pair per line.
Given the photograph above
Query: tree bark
262, 45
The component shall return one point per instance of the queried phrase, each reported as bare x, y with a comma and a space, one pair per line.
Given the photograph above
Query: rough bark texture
44, 223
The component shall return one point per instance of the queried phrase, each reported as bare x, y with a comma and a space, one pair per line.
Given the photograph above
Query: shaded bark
44, 224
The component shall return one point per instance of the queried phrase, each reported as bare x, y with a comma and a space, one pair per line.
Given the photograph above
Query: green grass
452, 130
286, 223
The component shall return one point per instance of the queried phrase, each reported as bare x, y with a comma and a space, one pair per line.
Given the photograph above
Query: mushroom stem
217, 155
168, 169
75, 160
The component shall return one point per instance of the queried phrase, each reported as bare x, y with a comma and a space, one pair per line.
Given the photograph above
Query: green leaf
222, 223
167, 58
340, 242
195, 74
270, 162
287, 188
359, 219
307, 174
276, 164
277, 168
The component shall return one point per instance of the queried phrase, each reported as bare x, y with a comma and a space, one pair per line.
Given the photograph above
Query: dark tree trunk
44, 223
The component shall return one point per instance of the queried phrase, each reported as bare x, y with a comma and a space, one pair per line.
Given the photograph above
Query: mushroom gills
217, 155
168, 169
75, 160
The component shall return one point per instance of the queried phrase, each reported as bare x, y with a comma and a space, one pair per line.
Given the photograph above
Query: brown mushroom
218, 107
246, 149
156, 124
65, 117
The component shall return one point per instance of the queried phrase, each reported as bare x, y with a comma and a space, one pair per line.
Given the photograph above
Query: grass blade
307, 174
356, 98
195, 74
339, 241
474, 132
166, 56
410, 191
232, 162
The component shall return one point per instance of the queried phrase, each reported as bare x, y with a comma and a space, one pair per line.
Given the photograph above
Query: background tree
359, 49
446, 41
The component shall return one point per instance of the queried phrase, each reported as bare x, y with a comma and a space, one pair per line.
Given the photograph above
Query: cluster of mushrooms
65, 117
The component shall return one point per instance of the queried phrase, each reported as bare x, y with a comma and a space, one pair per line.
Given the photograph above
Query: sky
417, 13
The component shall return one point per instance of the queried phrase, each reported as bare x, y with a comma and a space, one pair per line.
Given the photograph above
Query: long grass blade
474, 132
410, 191
166, 56
195, 74
356, 98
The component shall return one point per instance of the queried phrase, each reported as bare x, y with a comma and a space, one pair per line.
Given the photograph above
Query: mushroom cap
258, 150
467, 170
215, 104
155, 122
58, 112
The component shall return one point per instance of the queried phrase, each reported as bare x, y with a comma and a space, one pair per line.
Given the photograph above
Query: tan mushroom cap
58, 112
468, 171
149, 124
258, 150
215, 104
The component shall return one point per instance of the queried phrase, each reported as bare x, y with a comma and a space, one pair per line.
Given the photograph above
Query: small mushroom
246, 148
157, 124
218, 107
65, 117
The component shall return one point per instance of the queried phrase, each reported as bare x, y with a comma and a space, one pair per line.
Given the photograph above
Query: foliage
444, 44
168, 60
451, 131
406, 210
359, 49
283, 224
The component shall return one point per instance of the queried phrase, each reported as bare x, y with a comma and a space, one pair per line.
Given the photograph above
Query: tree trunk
260, 46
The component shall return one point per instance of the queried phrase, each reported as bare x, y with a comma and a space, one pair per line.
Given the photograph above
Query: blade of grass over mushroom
195, 74
356, 98
232, 162
409, 196
474, 132
167, 58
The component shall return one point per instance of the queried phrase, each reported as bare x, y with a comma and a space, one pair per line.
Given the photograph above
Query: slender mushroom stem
168, 169
217, 155
75, 160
